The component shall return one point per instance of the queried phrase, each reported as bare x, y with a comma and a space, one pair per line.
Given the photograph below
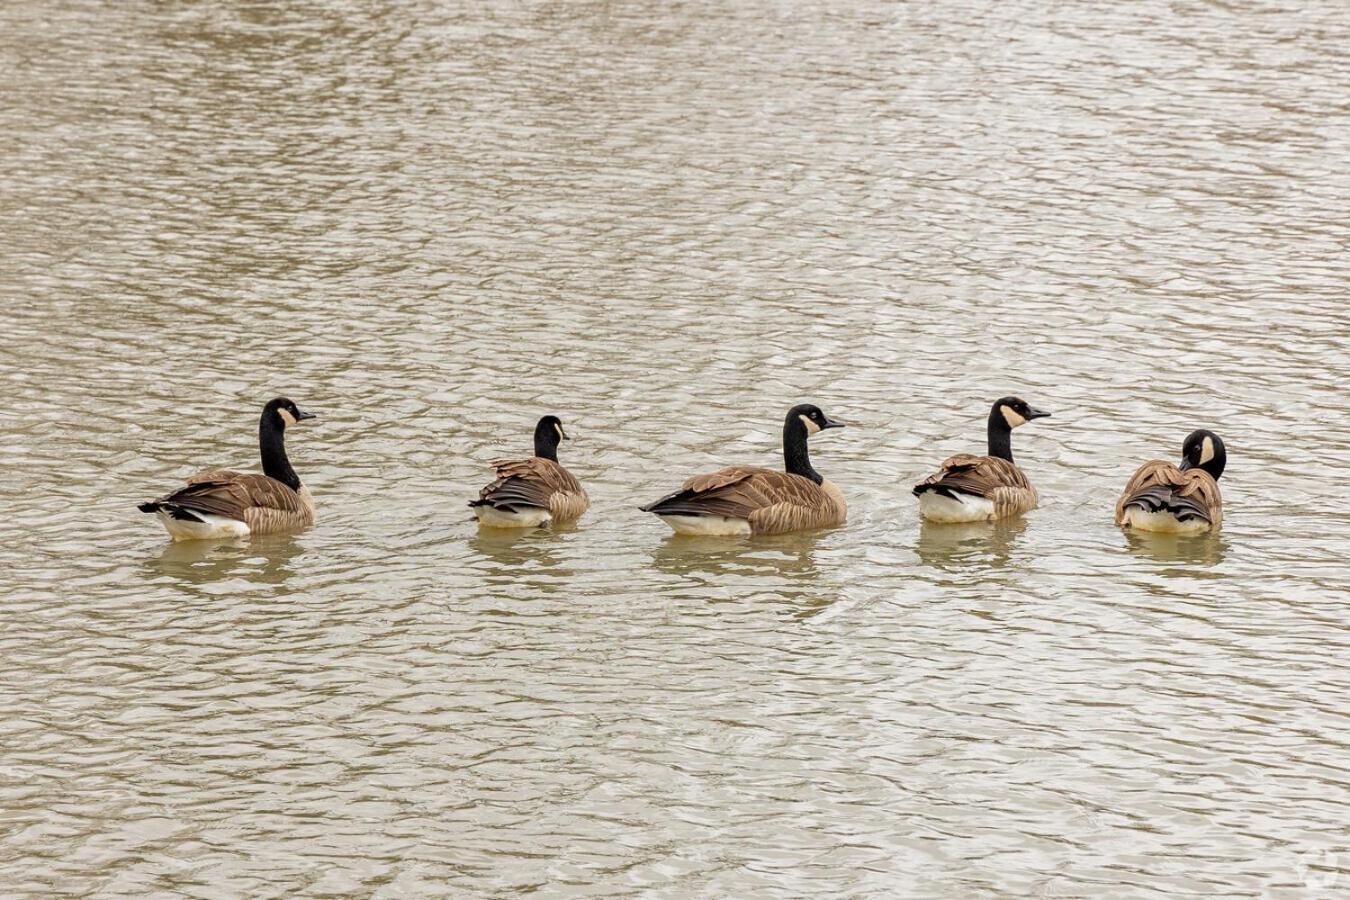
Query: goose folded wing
980, 476
731, 492
527, 482
1160, 485
233, 495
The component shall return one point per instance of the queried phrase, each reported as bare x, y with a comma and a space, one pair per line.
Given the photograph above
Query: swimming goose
531, 492
220, 503
743, 500
969, 488
1180, 499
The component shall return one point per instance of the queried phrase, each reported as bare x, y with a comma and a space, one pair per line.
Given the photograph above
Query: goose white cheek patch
811, 427
562, 436
1012, 418
286, 416
1206, 450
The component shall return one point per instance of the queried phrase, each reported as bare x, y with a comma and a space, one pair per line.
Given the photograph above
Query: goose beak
1034, 413
833, 423
305, 415
1185, 464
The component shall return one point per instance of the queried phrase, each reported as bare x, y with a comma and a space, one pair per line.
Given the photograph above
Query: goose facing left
222, 503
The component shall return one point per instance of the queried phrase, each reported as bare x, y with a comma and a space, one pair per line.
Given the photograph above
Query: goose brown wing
1159, 485
731, 492
534, 481
235, 495
980, 476
771, 501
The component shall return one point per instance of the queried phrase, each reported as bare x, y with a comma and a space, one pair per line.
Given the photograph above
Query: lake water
667, 223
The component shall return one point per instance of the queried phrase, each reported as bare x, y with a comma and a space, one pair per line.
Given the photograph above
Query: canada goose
220, 503
969, 488
1180, 499
743, 500
531, 492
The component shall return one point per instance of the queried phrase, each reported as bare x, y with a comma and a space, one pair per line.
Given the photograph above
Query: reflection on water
959, 545
263, 559
667, 223
1195, 549
788, 556
519, 550
771, 571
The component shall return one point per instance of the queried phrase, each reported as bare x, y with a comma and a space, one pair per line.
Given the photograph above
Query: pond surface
667, 223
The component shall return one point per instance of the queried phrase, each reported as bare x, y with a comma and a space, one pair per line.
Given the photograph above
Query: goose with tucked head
535, 491
1177, 499
222, 503
746, 500
969, 488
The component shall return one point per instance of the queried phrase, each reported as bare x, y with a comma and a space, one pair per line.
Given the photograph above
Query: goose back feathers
533, 491
968, 488
1185, 499
224, 503
746, 500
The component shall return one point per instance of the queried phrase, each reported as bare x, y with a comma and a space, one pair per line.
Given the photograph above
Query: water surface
668, 223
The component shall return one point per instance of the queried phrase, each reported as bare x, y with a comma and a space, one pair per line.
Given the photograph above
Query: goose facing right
746, 500
1183, 499
969, 488
535, 491
222, 503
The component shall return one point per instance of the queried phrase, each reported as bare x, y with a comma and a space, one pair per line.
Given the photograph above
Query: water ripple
667, 224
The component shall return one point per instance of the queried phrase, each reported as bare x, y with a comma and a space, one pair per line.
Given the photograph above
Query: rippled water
667, 223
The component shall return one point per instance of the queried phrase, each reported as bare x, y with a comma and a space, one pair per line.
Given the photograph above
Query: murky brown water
667, 222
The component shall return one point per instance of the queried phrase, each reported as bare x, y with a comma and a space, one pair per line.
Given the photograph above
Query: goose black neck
272, 448
795, 458
546, 441
1000, 435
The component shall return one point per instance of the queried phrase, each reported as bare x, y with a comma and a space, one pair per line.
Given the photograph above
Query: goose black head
276, 415
1015, 411
1204, 450
284, 410
811, 418
547, 435
802, 421
1007, 414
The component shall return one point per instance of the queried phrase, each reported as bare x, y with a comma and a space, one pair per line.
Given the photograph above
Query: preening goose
1181, 499
531, 492
969, 488
220, 503
744, 500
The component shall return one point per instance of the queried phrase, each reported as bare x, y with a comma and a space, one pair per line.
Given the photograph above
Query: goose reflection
510, 551
263, 559
958, 545
1198, 549
787, 556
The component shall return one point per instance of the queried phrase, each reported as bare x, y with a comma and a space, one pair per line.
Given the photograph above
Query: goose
1180, 499
746, 500
528, 493
969, 488
221, 503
